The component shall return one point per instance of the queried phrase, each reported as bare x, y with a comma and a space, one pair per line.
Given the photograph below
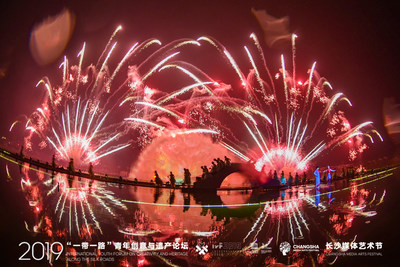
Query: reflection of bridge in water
212, 202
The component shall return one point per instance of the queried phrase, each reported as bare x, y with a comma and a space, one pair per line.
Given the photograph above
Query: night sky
355, 43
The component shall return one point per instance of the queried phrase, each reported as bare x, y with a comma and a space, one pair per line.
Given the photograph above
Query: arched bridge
214, 180
211, 182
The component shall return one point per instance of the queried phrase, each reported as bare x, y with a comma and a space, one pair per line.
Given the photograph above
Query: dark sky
355, 43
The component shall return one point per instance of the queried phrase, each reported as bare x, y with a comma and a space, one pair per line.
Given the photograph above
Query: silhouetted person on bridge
214, 167
21, 152
217, 164
290, 180
91, 171
296, 179
187, 174
221, 163
71, 166
157, 179
172, 179
53, 162
276, 176
304, 181
270, 176
227, 161
205, 172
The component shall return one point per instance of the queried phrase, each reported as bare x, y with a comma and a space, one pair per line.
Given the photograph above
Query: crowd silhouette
216, 165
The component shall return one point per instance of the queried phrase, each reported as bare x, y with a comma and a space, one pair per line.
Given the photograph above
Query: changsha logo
308, 248
284, 247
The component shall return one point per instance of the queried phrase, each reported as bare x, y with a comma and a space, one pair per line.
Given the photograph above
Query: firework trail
290, 122
280, 124
83, 118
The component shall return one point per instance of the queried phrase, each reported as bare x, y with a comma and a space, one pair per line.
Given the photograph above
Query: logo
201, 249
306, 248
284, 247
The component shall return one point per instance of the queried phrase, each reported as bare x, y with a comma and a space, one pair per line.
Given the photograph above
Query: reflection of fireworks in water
71, 206
296, 222
297, 215
289, 216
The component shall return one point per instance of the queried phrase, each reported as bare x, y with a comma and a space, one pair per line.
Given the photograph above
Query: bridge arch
214, 180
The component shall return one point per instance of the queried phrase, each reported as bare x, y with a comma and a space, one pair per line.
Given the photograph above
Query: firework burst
277, 121
290, 121
82, 119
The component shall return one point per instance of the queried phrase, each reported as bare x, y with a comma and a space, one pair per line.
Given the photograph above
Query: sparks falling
288, 122
283, 123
